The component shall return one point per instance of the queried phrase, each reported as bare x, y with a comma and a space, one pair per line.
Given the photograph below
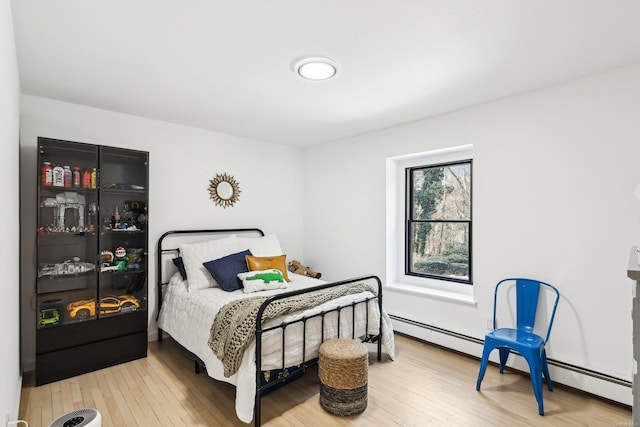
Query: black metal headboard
162, 251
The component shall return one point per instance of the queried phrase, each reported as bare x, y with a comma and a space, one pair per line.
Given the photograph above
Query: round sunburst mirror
224, 190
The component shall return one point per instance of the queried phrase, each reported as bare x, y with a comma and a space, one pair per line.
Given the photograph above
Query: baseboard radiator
554, 362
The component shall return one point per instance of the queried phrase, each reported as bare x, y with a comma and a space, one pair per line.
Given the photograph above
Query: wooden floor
425, 385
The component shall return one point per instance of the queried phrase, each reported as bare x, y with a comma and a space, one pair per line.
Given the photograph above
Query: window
438, 221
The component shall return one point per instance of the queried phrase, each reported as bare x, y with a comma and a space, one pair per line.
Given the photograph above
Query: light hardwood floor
425, 385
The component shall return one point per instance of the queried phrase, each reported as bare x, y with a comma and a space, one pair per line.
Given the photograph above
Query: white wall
553, 170
10, 374
182, 160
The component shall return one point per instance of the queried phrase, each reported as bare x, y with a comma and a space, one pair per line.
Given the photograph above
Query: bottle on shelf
116, 219
86, 178
68, 176
94, 176
77, 180
46, 174
58, 176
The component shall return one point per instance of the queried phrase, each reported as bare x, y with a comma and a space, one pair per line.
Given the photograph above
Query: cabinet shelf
64, 234
68, 282
124, 272
124, 190
123, 232
45, 189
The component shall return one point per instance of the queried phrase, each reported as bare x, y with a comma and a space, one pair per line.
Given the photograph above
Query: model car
49, 316
108, 305
119, 304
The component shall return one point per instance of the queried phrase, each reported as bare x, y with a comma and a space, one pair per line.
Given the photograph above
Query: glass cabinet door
66, 283
123, 242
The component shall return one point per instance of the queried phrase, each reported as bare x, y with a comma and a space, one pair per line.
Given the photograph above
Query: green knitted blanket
235, 324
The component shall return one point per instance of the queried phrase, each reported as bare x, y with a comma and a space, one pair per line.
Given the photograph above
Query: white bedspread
188, 316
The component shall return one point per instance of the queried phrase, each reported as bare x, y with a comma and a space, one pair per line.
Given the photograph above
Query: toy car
49, 316
108, 305
122, 303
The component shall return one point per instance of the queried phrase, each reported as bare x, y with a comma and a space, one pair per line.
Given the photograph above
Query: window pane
442, 192
440, 249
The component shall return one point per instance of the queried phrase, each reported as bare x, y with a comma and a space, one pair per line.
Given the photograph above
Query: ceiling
227, 65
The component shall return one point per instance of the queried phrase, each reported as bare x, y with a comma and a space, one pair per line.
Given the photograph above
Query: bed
285, 323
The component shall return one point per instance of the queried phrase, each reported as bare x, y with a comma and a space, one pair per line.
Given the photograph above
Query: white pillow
193, 255
260, 246
262, 280
176, 279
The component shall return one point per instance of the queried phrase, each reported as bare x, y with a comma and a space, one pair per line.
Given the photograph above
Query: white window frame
395, 233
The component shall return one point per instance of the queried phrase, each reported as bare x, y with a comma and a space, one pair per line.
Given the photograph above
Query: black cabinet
91, 258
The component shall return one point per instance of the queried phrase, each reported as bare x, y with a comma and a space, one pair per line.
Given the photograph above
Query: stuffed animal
296, 267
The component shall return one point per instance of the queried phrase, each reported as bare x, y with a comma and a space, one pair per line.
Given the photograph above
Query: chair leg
545, 370
535, 370
483, 365
504, 355
537, 389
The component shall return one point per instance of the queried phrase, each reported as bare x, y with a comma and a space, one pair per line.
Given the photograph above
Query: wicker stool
343, 368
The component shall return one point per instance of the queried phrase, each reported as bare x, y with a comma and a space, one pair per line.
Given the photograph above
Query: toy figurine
135, 258
106, 261
121, 258
106, 257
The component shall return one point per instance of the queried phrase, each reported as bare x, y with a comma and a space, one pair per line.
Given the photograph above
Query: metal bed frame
264, 383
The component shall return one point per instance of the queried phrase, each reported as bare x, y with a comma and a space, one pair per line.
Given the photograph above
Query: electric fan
79, 418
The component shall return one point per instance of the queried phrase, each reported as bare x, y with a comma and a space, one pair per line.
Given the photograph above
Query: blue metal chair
522, 340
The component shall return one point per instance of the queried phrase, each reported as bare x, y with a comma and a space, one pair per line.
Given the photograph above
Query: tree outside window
438, 238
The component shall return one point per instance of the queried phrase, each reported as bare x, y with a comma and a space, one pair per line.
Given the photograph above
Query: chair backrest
527, 293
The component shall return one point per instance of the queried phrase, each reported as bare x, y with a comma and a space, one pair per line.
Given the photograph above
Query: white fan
79, 418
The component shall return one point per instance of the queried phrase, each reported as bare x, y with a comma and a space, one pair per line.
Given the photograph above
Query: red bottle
86, 179
46, 174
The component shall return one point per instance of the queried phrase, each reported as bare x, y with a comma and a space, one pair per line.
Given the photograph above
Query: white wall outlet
490, 323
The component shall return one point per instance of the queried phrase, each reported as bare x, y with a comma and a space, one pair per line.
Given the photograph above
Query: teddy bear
296, 267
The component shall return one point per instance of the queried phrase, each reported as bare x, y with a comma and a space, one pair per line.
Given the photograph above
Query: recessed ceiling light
316, 68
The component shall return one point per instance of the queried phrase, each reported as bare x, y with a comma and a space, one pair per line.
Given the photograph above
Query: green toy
49, 316
121, 258
267, 277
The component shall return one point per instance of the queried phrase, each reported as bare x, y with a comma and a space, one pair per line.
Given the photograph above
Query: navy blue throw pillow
178, 263
225, 270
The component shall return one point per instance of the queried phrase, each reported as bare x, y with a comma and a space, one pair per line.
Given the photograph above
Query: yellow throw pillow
267, 262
